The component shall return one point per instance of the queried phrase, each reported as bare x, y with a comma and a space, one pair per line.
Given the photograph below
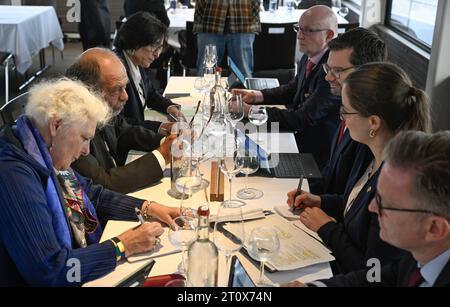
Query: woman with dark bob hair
378, 102
138, 43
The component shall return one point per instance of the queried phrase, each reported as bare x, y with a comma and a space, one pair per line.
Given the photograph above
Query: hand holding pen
142, 221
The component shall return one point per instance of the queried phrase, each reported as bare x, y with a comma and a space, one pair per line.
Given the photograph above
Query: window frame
417, 42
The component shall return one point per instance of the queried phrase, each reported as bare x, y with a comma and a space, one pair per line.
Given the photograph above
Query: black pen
172, 117
139, 215
299, 191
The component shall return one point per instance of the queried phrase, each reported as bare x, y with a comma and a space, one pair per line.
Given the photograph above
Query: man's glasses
157, 49
336, 72
342, 112
307, 31
380, 207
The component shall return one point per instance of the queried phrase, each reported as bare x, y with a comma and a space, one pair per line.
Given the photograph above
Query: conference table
275, 191
25, 31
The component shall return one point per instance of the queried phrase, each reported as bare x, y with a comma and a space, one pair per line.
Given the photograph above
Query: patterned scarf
35, 146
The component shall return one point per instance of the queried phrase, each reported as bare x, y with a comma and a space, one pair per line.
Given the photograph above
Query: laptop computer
282, 165
236, 75
238, 275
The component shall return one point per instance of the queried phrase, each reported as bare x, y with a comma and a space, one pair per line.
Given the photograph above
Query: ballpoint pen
139, 215
172, 117
299, 191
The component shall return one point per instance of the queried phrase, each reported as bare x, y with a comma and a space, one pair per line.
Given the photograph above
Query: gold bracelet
146, 215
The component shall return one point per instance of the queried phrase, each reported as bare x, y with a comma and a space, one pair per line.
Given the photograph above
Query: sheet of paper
114, 228
287, 213
251, 214
297, 249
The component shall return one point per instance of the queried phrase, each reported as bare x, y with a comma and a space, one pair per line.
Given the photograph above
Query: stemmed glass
235, 109
229, 230
210, 59
297, 3
230, 165
258, 117
193, 188
250, 161
182, 233
263, 245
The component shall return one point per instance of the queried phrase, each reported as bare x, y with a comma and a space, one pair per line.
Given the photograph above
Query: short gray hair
427, 156
68, 100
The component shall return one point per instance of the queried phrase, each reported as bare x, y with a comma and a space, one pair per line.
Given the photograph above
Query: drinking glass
229, 230
263, 245
235, 109
182, 233
210, 59
258, 117
343, 11
194, 191
250, 165
297, 3
230, 165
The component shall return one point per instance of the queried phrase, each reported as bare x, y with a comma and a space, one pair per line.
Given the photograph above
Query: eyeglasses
307, 31
381, 207
336, 71
157, 49
342, 112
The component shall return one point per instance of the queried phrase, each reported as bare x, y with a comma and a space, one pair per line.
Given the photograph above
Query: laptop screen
263, 156
236, 71
238, 275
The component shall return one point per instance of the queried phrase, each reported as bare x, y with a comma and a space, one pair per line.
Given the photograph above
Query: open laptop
283, 165
249, 83
239, 277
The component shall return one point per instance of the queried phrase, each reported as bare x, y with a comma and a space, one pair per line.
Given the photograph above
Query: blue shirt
430, 271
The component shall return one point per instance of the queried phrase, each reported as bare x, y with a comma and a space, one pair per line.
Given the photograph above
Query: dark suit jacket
155, 7
95, 24
394, 274
312, 111
110, 147
337, 171
134, 110
355, 238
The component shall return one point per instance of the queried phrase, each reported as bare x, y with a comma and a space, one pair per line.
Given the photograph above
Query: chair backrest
14, 108
306, 4
5, 2
189, 52
274, 47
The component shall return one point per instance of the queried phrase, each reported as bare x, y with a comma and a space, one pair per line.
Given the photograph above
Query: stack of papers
297, 248
246, 215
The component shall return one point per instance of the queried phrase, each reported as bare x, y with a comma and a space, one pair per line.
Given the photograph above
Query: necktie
341, 131
309, 68
416, 278
141, 93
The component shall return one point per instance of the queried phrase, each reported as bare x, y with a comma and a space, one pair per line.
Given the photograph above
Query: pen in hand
299, 191
139, 215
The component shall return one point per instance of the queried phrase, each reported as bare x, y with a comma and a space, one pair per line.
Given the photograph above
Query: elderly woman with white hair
50, 214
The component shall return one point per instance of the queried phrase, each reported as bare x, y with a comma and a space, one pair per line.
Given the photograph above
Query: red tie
416, 278
341, 131
309, 68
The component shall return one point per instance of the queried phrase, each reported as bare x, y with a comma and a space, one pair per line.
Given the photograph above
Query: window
413, 18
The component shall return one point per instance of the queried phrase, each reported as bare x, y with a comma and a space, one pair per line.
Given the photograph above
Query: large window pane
415, 18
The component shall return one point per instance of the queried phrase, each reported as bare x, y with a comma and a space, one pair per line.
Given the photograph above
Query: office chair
188, 49
274, 51
14, 108
5, 2
306, 4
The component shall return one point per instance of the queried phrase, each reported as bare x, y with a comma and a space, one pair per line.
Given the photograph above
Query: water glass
257, 115
250, 162
182, 233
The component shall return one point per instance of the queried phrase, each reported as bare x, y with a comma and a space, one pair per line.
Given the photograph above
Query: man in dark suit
102, 69
312, 110
413, 207
348, 51
95, 24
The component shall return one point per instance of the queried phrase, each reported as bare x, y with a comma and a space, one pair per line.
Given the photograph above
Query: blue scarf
35, 146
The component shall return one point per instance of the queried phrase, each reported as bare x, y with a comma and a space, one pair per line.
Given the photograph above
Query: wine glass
182, 233
235, 109
229, 230
194, 194
210, 58
297, 4
343, 11
258, 117
263, 245
250, 161
230, 165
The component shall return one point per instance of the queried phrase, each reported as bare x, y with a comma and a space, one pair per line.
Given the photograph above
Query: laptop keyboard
294, 165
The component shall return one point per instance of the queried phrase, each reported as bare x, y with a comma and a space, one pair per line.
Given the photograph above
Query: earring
372, 133
50, 148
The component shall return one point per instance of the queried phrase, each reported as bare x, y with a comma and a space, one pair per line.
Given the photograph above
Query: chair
306, 4
274, 51
13, 109
5, 60
5, 2
188, 49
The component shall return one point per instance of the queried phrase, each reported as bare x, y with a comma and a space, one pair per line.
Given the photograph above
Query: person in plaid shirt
230, 25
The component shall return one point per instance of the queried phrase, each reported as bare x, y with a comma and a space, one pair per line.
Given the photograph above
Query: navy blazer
95, 24
336, 173
312, 110
355, 238
134, 110
394, 274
